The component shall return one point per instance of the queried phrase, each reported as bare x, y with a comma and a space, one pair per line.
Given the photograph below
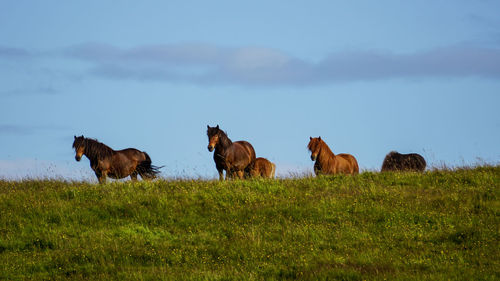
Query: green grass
440, 225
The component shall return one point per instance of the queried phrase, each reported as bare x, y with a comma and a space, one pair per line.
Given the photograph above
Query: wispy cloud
436, 63
13, 53
25, 91
490, 24
15, 130
23, 130
258, 66
206, 64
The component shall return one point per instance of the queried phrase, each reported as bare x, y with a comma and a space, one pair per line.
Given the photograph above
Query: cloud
436, 63
207, 64
23, 130
164, 54
13, 53
48, 90
483, 22
15, 130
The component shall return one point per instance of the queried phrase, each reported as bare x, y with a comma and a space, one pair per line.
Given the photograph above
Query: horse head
213, 137
314, 146
79, 146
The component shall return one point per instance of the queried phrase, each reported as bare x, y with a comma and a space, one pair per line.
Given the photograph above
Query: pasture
439, 225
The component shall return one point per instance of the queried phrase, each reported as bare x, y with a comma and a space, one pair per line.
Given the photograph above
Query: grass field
441, 225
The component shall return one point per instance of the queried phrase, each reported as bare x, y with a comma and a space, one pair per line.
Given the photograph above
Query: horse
263, 168
395, 161
329, 163
116, 164
235, 158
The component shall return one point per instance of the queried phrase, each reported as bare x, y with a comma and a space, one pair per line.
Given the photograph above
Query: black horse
115, 164
395, 161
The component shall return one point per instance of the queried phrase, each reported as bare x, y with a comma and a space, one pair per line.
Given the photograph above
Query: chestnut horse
329, 163
395, 161
263, 168
115, 164
235, 158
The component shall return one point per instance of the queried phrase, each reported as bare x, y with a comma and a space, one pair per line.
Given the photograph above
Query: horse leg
231, 174
317, 168
240, 174
144, 176
101, 176
221, 174
133, 176
253, 173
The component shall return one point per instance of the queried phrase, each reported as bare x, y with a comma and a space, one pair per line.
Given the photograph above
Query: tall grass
433, 226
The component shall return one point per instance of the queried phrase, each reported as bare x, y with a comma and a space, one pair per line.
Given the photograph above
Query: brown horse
115, 164
263, 168
329, 163
233, 157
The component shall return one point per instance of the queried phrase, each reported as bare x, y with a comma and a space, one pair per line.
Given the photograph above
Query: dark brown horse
329, 163
263, 168
235, 158
395, 161
115, 164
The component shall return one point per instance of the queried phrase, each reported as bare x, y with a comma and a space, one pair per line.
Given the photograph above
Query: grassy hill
439, 225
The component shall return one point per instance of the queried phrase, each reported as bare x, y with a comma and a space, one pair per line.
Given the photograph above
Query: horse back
263, 168
131, 154
123, 162
347, 164
418, 162
395, 161
241, 155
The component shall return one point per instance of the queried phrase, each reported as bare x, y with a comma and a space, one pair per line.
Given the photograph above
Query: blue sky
367, 76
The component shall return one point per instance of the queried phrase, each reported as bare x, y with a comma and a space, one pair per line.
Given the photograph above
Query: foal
263, 168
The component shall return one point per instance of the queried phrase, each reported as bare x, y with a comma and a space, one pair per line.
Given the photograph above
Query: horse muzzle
210, 148
78, 158
313, 157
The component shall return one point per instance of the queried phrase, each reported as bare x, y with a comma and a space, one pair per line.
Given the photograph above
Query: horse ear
319, 137
217, 126
310, 138
75, 137
208, 127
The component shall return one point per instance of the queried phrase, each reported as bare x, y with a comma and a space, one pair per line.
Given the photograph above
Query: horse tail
273, 170
146, 169
355, 167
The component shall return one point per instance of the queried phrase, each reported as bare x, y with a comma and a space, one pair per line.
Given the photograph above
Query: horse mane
324, 148
94, 149
224, 139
